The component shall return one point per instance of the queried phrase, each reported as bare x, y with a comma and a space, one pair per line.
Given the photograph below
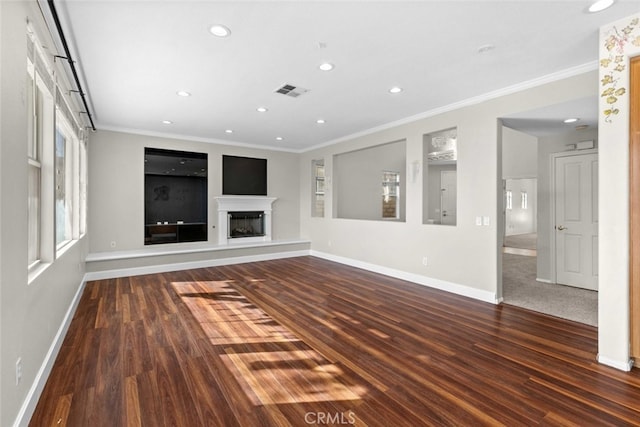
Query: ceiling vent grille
291, 90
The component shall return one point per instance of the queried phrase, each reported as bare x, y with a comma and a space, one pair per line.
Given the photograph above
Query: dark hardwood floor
305, 341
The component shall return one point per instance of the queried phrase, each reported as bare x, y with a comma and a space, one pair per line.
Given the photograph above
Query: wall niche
440, 177
370, 183
175, 196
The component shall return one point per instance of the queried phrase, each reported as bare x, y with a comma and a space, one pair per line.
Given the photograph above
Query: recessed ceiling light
320, 121
220, 30
183, 93
571, 120
600, 5
262, 109
167, 122
279, 138
229, 131
326, 66
395, 89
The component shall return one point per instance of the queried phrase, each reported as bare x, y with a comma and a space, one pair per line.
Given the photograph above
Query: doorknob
561, 227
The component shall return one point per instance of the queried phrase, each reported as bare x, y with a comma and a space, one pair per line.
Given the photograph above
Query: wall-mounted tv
244, 176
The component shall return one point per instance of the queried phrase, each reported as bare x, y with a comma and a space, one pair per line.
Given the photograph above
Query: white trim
538, 279
167, 135
529, 84
33, 395
618, 364
178, 249
549, 78
228, 204
451, 287
454, 288
164, 268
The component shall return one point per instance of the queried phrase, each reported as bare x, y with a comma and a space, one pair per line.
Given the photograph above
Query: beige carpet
521, 241
520, 288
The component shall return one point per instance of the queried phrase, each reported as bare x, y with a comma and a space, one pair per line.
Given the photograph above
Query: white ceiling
133, 56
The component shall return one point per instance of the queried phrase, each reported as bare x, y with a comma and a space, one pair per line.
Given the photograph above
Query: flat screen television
244, 176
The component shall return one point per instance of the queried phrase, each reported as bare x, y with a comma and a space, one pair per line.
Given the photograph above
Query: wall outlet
425, 260
113, 243
18, 370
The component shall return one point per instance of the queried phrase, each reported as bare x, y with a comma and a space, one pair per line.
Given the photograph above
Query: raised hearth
252, 222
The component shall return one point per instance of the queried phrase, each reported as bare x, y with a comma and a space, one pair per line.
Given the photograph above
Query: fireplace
244, 219
245, 224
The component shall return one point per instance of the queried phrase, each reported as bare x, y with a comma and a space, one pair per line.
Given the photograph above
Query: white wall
466, 254
521, 220
613, 228
519, 154
30, 314
116, 183
519, 165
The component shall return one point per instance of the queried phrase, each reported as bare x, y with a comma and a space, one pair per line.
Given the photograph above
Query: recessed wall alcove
175, 188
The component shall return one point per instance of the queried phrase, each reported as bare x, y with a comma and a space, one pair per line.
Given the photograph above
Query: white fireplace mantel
228, 204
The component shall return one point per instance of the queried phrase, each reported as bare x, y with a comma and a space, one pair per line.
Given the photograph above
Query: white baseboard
33, 395
443, 285
29, 405
164, 268
543, 280
623, 365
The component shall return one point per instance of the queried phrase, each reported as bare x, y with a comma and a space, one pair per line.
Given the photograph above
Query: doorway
529, 245
521, 225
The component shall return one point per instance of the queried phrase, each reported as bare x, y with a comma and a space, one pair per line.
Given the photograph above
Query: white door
448, 197
576, 220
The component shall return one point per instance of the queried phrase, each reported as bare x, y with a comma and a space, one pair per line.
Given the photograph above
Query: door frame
552, 204
634, 207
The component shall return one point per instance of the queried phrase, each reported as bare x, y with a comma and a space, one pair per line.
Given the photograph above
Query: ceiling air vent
291, 90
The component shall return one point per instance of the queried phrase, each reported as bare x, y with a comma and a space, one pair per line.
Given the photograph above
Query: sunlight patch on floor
272, 365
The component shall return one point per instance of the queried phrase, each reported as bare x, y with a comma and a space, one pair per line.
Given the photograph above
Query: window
391, 195
39, 86
56, 161
524, 200
63, 185
82, 188
34, 155
317, 209
509, 199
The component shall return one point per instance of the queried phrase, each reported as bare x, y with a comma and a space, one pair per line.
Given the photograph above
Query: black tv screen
244, 176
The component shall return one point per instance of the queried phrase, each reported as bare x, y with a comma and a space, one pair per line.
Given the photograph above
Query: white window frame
50, 113
318, 190
71, 177
42, 131
391, 188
